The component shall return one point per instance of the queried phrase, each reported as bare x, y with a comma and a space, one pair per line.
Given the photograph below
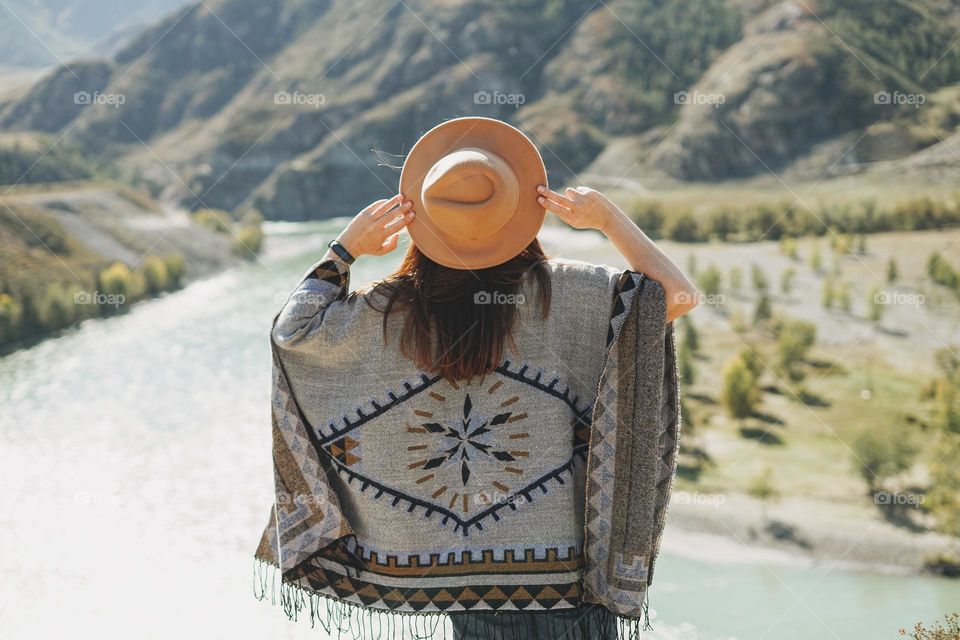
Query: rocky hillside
42, 33
239, 104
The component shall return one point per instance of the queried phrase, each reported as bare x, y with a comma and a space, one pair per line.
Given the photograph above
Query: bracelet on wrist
337, 247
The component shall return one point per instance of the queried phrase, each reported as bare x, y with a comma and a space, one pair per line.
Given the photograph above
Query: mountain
43, 33
239, 104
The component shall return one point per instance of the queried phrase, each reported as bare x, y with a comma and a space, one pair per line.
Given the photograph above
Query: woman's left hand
376, 230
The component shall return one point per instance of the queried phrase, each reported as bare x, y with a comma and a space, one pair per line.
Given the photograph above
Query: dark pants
587, 622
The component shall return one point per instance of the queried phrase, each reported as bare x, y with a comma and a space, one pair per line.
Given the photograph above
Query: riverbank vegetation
828, 369
782, 219
75, 251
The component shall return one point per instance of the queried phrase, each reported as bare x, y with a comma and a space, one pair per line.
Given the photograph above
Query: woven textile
542, 486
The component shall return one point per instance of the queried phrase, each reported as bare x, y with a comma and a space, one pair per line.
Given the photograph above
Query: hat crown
470, 193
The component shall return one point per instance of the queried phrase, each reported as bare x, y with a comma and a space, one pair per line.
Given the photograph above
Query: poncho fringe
341, 619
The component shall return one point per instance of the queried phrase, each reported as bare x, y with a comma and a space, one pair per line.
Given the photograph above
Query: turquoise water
136, 474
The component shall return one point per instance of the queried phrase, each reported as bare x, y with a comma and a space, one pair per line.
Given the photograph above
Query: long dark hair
458, 322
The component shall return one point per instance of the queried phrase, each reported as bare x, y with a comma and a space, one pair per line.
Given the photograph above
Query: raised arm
586, 208
373, 231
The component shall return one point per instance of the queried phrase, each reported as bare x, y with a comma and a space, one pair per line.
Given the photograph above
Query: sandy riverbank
720, 528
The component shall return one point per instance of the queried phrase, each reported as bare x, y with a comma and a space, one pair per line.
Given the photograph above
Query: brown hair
457, 322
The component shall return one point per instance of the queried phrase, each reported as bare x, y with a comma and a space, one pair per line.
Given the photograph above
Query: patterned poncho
542, 486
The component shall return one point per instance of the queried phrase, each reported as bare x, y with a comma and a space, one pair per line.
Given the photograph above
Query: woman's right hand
376, 230
580, 207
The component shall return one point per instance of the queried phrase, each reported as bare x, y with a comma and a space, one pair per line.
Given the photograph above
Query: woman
440, 444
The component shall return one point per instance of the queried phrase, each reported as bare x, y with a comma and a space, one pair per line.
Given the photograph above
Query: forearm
643, 254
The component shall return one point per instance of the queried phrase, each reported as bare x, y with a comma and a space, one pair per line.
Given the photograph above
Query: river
136, 481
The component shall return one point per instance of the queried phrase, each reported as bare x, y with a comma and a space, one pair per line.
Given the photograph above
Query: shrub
214, 219
248, 242
117, 280
682, 227
174, 264
57, 309
937, 632
11, 314
155, 274
648, 215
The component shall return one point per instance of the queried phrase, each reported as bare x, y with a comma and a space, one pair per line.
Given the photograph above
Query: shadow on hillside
811, 399
896, 333
763, 436
768, 418
787, 533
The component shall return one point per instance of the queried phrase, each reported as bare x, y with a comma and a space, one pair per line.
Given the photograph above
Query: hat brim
520, 229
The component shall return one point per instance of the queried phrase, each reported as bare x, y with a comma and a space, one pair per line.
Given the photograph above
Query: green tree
117, 280
710, 281
881, 453
758, 279
875, 304
827, 293
686, 364
943, 497
788, 247
11, 313
786, 280
155, 274
763, 310
796, 339
691, 337
844, 300
682, 227
762, 488
736, 278
816, 261
739, 394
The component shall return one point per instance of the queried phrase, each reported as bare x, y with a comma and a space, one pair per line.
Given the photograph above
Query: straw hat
473, 184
